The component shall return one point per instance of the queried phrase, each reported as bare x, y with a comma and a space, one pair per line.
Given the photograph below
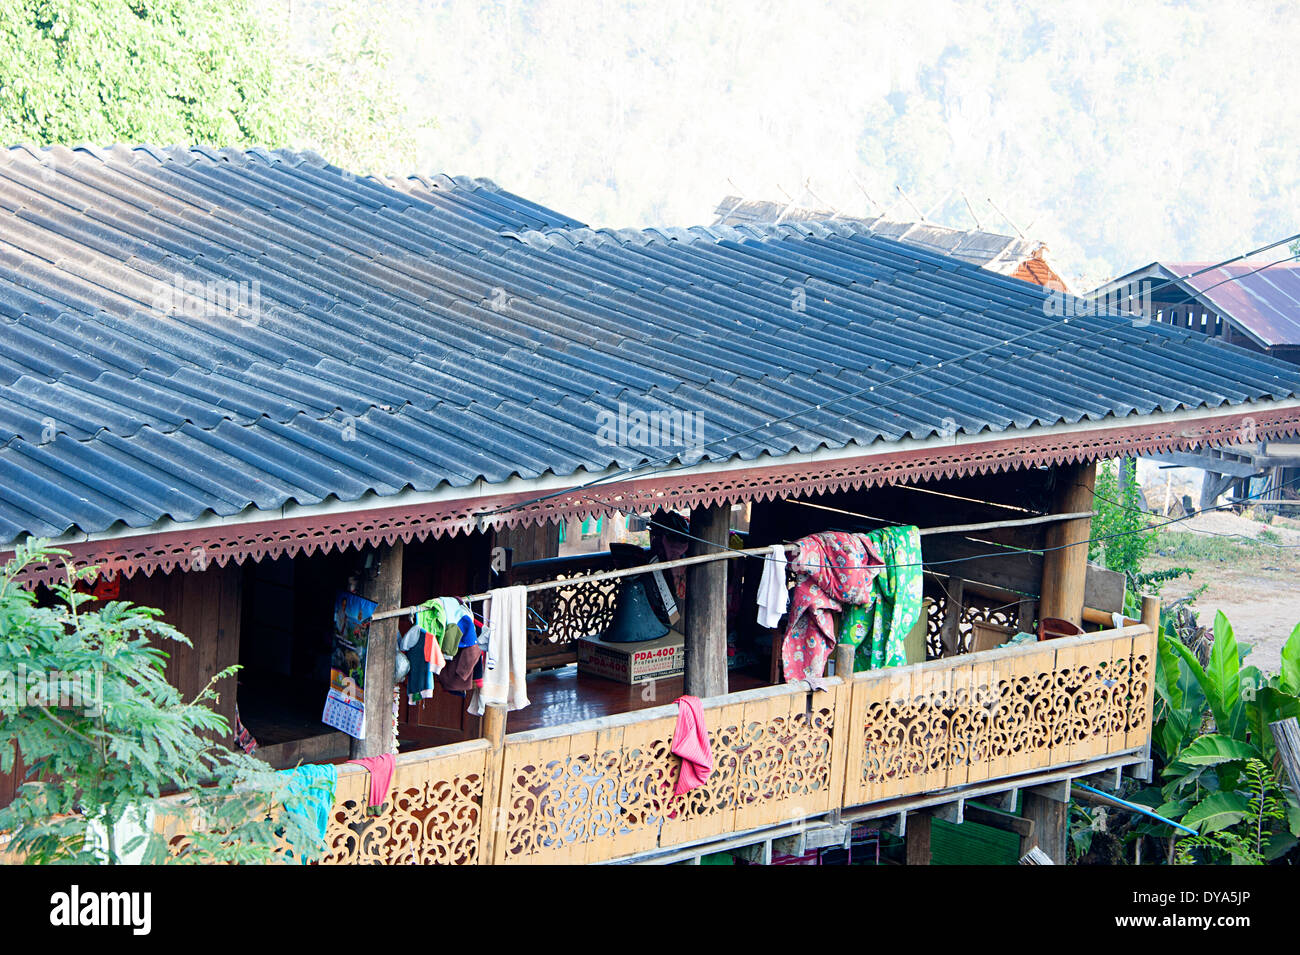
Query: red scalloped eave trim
201, 547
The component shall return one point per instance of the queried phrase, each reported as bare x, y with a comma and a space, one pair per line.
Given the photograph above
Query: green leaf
1278, 845
1224, 675
1290, 672
1214, 749
1168, 671
1217, 811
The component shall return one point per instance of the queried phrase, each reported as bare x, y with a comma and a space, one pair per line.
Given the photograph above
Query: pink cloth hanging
691, 743
381, 774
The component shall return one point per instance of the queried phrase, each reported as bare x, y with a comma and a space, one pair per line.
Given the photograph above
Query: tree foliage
1120, 528
97, 763
220, 72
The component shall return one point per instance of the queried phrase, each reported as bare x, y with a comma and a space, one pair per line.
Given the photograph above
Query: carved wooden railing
433, 815
999, 713
603, 789
571, 613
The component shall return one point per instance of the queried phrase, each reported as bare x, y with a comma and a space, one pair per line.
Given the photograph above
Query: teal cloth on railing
310, 796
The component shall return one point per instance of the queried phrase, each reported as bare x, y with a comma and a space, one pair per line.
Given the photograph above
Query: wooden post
950, 629
844, 653
1151, 613
1286, 734
1026, 615
1049, 809
917, 838
385, 588
1065, 560
706, 604
493, 817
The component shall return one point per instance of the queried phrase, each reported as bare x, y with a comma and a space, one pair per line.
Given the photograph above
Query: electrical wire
1005, 552
1201, 530
821, 406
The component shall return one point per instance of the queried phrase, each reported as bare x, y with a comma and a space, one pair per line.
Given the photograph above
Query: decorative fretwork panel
603, 789
974, 609
998, 713
433, 815
609, 792
572, 612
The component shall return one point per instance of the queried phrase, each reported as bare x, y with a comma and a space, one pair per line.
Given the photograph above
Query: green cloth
878, 629
432, 619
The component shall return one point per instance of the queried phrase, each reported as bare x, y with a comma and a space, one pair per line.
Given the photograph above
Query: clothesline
731, 554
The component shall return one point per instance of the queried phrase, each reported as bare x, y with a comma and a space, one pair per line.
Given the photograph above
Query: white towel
506, 661
772, 595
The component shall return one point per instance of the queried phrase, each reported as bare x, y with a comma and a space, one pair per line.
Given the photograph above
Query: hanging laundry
133, 835
425, 658
691, 743
381, 776
773, 598
458, 677
507, 653
835, 568
310, 796
459, 624
896, 605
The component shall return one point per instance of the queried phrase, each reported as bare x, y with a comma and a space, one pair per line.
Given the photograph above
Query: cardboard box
634, 663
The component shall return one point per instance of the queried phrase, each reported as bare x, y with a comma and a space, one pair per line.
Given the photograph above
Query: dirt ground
1253, 578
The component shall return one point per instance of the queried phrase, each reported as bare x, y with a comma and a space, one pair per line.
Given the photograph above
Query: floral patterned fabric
879, 628
872, 581
834, 569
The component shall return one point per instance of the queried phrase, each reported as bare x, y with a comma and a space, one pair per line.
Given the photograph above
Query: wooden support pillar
384, 586
1213, 485
844, 654
1048, 807
917, 839
950, 629
1065, 560
494, 818
706, 604
1026, 615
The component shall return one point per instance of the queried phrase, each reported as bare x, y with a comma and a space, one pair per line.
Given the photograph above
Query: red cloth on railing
381, 775
691, 743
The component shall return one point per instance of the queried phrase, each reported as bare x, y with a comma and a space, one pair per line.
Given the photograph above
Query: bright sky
1117, 131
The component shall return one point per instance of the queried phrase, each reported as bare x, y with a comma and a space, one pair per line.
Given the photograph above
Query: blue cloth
469, 637
310, 797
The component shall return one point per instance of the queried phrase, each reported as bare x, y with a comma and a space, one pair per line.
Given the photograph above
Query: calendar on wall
345, 707
345, 714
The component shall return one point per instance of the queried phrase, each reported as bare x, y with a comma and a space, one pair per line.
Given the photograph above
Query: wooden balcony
602, 790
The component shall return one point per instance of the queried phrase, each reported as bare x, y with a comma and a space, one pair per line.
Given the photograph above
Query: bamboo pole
732, 554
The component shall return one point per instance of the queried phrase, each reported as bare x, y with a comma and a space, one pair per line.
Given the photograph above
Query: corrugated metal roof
442, 331
991, 250
1264, 302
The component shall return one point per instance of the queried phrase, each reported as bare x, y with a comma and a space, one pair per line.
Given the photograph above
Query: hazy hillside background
1117, 131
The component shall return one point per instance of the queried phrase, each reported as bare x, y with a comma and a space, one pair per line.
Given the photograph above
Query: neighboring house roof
1262, 302
1004, 254
445, 333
